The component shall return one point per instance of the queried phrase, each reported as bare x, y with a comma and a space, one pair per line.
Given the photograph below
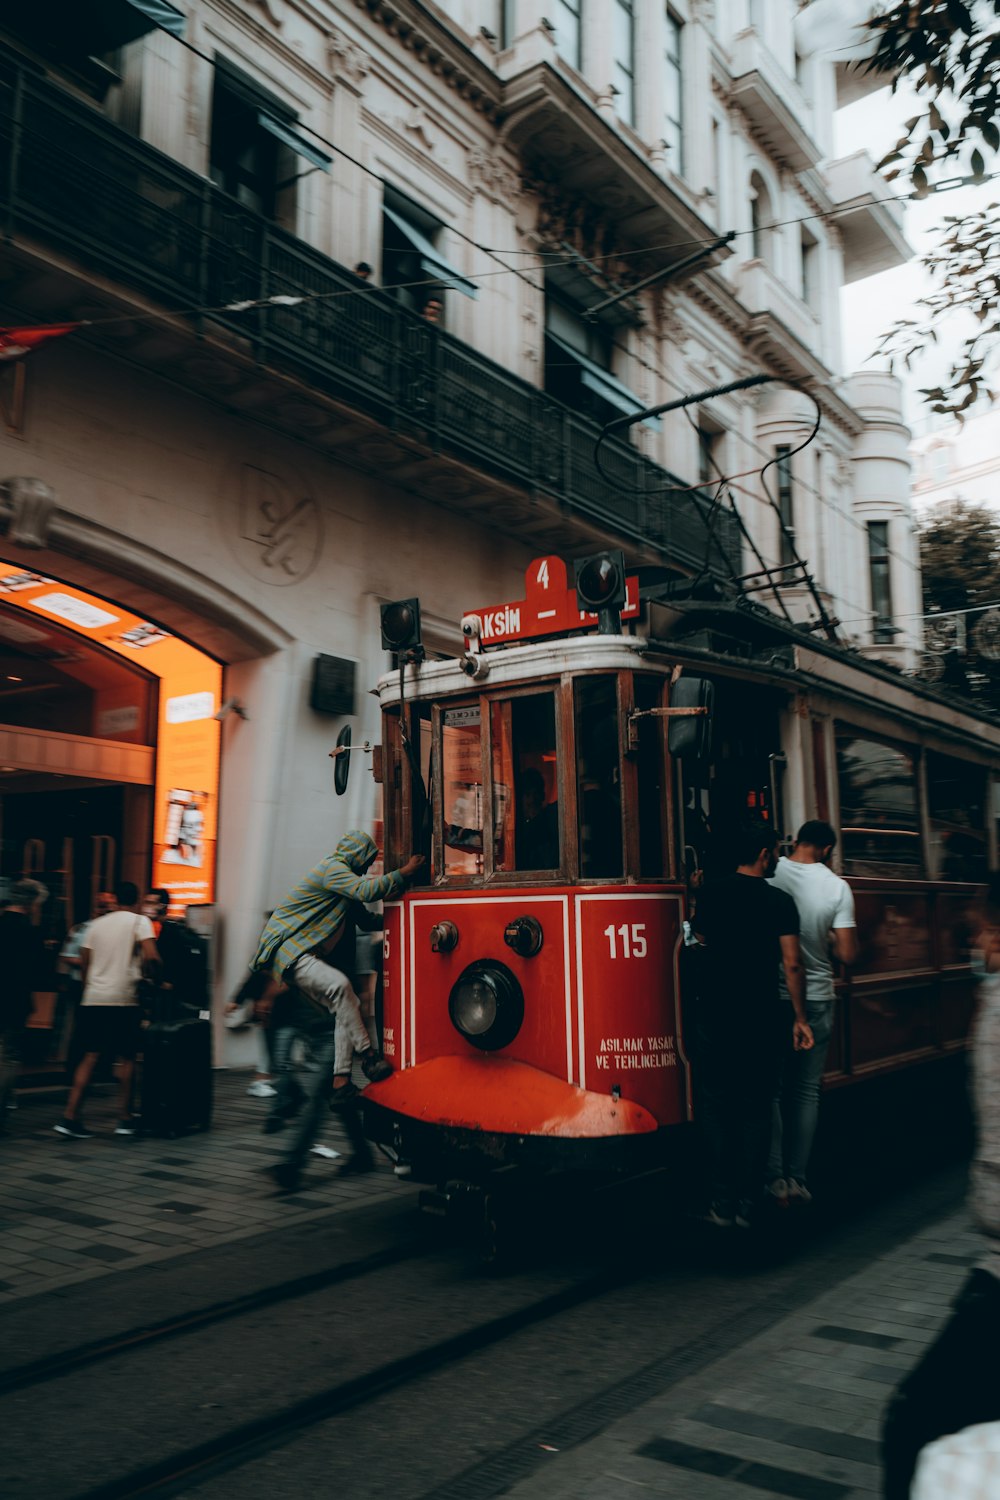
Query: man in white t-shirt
827, 930
109, 1019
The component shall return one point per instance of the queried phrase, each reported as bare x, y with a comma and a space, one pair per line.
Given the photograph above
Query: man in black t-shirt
747, 928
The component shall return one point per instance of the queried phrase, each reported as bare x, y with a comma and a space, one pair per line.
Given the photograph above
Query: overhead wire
549, 260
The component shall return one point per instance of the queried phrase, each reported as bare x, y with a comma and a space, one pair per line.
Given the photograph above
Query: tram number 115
631, 939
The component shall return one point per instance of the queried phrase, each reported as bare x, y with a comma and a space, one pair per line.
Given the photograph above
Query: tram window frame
579, 683
486, 703
940, 827
873, 867
441, 762
655, 859
542, 873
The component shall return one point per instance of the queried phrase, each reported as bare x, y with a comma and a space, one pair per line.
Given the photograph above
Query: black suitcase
177, 1076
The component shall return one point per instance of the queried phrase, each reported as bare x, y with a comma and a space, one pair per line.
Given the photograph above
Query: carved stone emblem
347, 60
32, 502
279, 532
492, 177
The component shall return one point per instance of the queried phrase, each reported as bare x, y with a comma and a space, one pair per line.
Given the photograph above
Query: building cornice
440, 50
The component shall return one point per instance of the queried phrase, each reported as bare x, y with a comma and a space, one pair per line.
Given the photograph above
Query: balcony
95, 219
761, 88
782, 330
555, 127
872, 235
761, 291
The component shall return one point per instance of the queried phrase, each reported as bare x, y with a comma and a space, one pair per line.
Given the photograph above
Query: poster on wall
186, 795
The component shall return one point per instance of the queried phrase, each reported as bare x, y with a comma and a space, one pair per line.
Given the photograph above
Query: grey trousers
334, 990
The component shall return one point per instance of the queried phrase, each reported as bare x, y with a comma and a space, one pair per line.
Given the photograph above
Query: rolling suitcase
177, 1076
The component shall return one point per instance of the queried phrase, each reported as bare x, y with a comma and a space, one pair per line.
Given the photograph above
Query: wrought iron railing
74, 182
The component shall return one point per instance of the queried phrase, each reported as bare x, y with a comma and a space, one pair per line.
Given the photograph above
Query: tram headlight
486, 1005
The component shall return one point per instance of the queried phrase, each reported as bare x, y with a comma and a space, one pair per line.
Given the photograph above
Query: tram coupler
454, 1199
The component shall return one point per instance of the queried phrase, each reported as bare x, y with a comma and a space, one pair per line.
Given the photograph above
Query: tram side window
599, 786
525, 782
879, 813
652, 791
462, 777
956, 797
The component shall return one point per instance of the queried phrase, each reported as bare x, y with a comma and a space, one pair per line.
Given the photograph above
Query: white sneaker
325, 1151
798, 1192
777, 1192
261, 1089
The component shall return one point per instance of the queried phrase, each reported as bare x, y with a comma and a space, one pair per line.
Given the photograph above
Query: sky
869, 307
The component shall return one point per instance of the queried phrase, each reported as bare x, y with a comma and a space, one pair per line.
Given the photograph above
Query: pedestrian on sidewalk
68, 968
955, 1385
825, 905
22, 958
300, 937
115, 950
747, 929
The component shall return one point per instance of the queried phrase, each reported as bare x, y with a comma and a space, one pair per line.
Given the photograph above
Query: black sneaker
73, 1129
285, 1175
375, 1067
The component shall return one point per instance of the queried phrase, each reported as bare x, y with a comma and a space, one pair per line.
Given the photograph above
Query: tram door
70, 841
742, 778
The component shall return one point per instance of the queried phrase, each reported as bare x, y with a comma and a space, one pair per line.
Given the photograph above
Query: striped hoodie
314, 910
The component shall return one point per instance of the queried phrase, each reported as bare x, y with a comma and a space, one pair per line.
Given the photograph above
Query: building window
566, 21
412, 262
761, 219
673, 114
508, 22
578, 354
255, 153
710, 464
786, 503
939, 464
878, 569
623, 59
810, 269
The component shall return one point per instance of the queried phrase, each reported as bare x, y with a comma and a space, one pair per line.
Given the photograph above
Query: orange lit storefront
109, 764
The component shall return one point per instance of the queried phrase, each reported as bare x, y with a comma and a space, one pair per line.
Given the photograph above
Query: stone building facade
253, 446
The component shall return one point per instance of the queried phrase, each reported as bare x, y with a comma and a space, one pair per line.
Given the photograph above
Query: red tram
563, 779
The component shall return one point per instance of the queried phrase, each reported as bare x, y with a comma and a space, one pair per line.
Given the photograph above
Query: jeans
334, 990
734, 1087
795, 1110
10, 1057
954, 1386
313, 1090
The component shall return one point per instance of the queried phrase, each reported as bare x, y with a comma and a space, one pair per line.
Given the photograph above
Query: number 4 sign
548, 608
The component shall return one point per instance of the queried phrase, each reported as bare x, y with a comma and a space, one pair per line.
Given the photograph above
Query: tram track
435, 1314
186, 1469
37, 1372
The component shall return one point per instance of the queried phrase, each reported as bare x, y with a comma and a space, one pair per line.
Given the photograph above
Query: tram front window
599, 787
462, 774
525, 782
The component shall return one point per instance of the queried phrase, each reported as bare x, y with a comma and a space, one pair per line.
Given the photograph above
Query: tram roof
715, 637
516, 663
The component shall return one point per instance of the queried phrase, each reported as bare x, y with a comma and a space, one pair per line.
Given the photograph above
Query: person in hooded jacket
298, 948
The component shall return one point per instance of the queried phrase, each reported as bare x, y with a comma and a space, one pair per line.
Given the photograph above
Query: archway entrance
109, 764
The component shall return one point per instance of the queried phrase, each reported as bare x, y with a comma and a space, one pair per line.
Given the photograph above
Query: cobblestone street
72, 1210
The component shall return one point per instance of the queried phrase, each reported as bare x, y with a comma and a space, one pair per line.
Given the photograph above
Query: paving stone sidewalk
72, 1210
795, 1411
